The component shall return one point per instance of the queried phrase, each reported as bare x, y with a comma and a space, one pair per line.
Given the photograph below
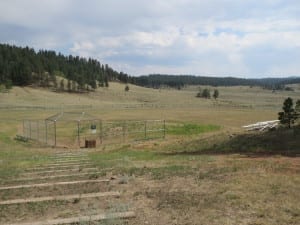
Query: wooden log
65, 164
53, 184
42, 168
69, 161
60, 198
60, 171
84, 219
58, 176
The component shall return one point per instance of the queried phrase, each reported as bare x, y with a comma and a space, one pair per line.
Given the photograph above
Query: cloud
205, 37
32, 13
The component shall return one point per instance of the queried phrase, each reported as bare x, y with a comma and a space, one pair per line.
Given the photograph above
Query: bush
203, 94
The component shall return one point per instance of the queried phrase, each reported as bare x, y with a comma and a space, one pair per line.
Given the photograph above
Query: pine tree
54, 82
62, 85
73, 85
205, 93
93, 84
24, 66
297, 110
106, 82
126, 88
216, 94
288, 116
69, 85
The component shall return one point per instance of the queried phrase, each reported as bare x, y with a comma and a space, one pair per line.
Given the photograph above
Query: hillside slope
236, 106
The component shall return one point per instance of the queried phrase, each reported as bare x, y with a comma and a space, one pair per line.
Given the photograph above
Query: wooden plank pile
261, 126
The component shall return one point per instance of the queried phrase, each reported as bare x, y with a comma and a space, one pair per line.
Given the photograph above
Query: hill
23, 66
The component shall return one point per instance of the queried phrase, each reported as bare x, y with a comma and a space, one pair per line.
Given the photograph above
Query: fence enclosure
73, 130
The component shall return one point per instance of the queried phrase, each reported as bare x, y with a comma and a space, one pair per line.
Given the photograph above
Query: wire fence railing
79, 133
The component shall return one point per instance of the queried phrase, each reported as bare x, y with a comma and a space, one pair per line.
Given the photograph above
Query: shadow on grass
284, 142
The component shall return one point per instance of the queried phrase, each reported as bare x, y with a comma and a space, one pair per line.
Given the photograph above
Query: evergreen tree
54, 82
106, 82
46, 81
101, 83
62, 85
126, 88
73, 86
24, 66
205, 93
297, 107
287, 117
216, 94
297, 110
93, 84
8, 84
69, 85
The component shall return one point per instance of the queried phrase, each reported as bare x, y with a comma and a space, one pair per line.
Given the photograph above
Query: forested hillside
23, 66
158, 80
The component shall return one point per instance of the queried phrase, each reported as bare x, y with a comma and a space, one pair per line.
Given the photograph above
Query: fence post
164, 129
30, 129
46, 130
145, 129
24, 128
124, 130
54, 133
38, 130
101, 132
78, 132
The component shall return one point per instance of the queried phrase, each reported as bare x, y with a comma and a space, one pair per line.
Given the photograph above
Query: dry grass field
207, 170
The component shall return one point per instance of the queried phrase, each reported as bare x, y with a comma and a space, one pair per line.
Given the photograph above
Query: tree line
205, 93
174, 81
24, 66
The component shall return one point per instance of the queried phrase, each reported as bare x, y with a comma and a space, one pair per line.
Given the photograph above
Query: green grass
5, 139
156, 164
16, 156
14, 161
122, 157
191, 129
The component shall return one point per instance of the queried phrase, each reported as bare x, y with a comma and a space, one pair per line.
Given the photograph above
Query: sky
242, 38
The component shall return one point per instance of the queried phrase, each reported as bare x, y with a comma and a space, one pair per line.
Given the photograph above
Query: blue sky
244, 38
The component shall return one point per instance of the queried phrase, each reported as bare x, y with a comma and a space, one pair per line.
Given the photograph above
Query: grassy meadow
207, 170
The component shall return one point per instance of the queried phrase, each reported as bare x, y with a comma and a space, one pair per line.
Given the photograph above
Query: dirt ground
226, 198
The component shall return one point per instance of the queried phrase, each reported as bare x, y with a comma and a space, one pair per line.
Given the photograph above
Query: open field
206, 171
